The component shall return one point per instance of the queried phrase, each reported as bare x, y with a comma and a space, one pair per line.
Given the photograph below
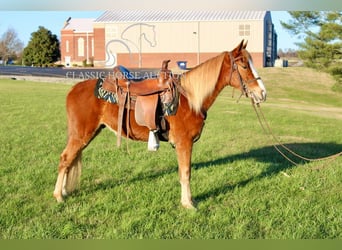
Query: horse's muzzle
258, 96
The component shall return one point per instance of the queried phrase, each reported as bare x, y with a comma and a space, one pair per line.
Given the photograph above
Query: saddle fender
145, 110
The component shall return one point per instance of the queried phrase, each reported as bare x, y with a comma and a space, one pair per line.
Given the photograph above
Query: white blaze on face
255, 73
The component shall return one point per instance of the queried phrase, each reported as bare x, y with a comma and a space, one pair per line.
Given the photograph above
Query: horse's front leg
184, 150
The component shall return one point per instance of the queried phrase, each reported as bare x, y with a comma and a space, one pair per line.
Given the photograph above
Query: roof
178, 15
79, 24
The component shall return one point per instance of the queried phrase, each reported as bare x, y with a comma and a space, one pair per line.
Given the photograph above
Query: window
112, 32
80, 46
244, 30
67, 46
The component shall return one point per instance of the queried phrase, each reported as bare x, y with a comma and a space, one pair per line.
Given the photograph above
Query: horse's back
82, 90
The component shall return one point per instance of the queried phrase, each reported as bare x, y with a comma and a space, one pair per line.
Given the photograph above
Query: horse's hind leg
69, 169
72, 176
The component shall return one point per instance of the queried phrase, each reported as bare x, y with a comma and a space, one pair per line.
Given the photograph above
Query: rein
267, 129
263, 122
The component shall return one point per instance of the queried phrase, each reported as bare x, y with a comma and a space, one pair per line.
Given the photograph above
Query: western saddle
151, 98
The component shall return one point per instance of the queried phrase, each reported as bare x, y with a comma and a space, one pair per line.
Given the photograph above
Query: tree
42, 49
10, 45
322, 46
287, 53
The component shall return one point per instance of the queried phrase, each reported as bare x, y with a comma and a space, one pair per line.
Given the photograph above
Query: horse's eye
244, 66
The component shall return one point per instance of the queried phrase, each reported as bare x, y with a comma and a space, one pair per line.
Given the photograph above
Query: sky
26, 22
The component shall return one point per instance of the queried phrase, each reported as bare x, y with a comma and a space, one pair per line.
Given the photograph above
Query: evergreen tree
322, 46
42, 49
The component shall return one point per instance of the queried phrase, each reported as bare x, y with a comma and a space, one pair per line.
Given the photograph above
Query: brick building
77, 42
143, 38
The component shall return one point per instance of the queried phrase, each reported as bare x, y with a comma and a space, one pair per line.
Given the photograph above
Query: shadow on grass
273, 160
146, 176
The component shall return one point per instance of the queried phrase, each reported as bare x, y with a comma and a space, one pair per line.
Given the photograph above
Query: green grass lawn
243, 188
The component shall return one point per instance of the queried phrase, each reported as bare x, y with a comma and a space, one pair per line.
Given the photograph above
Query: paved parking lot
69, 73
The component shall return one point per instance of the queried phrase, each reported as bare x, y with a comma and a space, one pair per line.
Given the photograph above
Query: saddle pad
106, 95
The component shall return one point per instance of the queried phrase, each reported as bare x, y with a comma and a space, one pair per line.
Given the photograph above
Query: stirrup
153, 141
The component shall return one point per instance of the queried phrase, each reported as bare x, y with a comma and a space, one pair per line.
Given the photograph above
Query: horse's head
243, 75
149, 34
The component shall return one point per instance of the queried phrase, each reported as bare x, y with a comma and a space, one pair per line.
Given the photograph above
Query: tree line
287, 53
43, 48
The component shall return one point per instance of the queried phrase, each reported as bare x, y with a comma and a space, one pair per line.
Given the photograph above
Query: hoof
64, 192
189, 205
59, 198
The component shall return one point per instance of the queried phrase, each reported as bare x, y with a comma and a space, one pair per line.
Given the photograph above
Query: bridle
244, 85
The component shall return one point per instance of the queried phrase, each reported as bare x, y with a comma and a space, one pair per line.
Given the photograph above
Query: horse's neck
221, 83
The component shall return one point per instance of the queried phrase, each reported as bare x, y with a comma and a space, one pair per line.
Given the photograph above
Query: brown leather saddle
151, 98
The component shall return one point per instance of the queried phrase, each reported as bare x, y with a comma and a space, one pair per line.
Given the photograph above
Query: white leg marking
64, 192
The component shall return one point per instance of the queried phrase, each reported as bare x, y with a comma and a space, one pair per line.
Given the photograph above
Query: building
143, 38
77, 42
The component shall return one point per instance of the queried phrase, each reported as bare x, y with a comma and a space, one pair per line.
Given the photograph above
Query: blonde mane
200, 82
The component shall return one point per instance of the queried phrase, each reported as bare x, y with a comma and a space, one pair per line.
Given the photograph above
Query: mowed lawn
243, 188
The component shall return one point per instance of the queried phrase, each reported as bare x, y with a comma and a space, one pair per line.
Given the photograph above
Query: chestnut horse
87, 115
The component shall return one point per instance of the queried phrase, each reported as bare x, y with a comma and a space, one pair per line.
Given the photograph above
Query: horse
87, 115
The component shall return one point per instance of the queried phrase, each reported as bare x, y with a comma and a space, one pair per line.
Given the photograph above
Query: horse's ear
245, 44
238, 48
